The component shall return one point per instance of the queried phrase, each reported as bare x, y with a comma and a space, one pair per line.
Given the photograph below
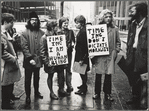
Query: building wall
120, 10
22, 13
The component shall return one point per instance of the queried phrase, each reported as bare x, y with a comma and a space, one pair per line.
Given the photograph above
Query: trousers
68, 70
106, 86
6, 95
28, 77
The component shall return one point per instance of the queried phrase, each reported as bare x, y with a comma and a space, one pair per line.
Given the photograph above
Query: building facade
21, 10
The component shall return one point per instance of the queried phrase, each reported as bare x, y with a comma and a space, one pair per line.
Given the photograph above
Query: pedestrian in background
81, 54
70, 40
104, 64
30, 43
136, 55
11, 71
52, 69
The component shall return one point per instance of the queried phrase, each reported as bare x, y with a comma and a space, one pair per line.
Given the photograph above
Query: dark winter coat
69, 38
82, 48
30, 43
141, 50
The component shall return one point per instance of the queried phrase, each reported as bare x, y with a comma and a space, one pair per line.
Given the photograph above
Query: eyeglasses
34, 19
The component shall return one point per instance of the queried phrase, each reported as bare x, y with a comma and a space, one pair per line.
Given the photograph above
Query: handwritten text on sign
57, 50
97, 40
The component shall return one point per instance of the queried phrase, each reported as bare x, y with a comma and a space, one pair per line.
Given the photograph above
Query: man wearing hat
30, 42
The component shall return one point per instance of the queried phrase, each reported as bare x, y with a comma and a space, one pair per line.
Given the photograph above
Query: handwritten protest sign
57, 50
97, 40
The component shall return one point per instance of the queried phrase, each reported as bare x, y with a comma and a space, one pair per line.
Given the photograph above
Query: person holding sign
81, 55
70, 38
105, 64
51, 69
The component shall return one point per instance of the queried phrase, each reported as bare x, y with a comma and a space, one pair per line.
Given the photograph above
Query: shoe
11, 102
28, 100
96, 96
15, 98
62, 93
81, 91
53, 96
69, 89
79, 87
109, 97
38, 95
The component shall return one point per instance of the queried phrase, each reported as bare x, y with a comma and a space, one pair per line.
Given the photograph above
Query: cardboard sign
97, 40
57, 50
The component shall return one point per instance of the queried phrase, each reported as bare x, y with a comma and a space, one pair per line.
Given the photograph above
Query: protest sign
57, 50
97, 40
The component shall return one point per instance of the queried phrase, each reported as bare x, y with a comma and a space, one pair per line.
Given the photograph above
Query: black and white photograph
74, 55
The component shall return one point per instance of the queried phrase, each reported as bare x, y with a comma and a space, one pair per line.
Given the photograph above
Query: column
117, 12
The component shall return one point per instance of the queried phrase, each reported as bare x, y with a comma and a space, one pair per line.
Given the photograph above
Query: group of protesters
33, 44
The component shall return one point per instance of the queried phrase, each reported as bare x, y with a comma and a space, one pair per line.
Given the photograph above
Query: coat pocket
13, 66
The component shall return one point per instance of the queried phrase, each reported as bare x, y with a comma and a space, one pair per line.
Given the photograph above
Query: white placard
57, 50
97, 40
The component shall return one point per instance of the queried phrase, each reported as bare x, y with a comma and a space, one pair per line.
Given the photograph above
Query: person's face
65, 24
133, 13
108, 18
9, 25
78, 25
34, 22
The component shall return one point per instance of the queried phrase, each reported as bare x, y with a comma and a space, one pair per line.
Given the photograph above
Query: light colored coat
11, 71
106, 64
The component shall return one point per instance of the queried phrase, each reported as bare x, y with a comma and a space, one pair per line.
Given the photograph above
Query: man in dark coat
30, 43
136, 59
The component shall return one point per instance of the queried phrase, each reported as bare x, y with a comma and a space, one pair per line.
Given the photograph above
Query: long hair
51, 25
61, 20
102, 16
30, 27
141, 8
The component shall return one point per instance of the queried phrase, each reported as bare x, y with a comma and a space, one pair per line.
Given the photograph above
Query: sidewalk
120, 93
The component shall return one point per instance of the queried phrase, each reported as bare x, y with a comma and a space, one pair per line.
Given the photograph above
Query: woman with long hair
70, 40
104, 64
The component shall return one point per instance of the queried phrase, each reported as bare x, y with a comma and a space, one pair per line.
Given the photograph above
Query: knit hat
33, 15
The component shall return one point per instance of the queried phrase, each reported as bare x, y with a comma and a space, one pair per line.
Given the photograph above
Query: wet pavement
120, 93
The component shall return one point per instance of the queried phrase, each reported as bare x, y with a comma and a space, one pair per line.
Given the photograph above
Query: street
120, 92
